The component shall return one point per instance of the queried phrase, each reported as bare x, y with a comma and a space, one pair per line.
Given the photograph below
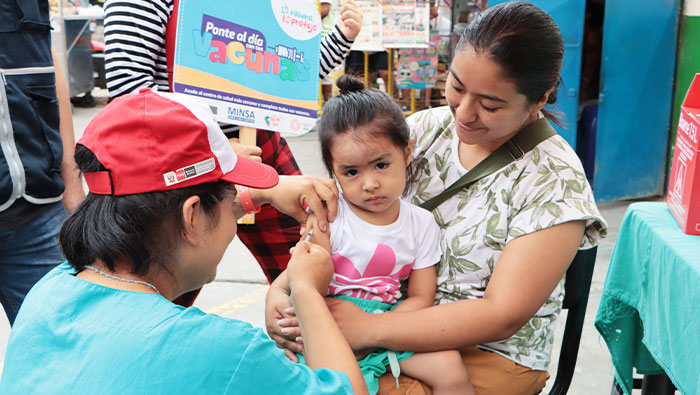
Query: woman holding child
509, 237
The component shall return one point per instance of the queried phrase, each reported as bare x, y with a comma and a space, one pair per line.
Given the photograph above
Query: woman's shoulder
428, 125
550, 187
551, 170
435, 113
554, 155
432, 118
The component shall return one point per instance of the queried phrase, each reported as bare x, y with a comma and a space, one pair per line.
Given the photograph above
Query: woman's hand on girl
352, 321
294, 194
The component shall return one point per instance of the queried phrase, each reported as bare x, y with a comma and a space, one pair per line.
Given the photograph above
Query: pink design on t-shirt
377, 282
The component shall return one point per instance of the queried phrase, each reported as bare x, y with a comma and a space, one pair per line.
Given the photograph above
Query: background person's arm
335, 46
134, 44
74, 193
526, 273
325, 9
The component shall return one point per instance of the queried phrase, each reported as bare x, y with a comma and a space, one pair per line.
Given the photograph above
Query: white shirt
371, 260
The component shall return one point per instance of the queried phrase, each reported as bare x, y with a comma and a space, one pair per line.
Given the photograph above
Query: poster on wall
370, 37
405, 24
421, 31
417, 67
398, 24
255, 64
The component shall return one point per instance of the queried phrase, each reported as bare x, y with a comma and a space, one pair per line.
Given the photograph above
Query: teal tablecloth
649, 313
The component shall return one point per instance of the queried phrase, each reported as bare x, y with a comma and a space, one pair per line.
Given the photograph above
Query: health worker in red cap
165, 191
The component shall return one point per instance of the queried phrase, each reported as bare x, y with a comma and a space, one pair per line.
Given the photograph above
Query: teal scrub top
74, 336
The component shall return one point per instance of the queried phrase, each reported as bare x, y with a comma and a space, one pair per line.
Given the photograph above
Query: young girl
377, 240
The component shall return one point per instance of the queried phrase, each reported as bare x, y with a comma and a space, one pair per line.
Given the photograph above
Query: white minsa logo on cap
189, 172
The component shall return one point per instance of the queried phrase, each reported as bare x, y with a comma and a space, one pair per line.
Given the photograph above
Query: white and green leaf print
544, 188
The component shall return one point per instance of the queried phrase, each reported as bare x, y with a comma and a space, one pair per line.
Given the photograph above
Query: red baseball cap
156, 141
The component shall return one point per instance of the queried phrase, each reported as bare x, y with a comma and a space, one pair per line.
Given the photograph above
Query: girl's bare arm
421, 290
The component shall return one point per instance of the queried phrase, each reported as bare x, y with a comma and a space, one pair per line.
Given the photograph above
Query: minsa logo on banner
241, 114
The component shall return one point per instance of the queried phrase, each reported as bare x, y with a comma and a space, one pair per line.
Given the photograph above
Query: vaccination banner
417, 67
254, 63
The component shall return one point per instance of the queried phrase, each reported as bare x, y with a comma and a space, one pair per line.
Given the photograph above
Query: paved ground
240, 287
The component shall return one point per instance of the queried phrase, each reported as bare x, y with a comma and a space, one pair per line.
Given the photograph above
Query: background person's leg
428, 92
327, 87
27, 253
273, 233
270, 239
380, 63
355, 63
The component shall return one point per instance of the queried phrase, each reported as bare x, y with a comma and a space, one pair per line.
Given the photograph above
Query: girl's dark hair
525, 42
356, 107
144, 228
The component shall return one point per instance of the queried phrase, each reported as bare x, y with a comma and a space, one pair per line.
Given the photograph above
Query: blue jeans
27, 253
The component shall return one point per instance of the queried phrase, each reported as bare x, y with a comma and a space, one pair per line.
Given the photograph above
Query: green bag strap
512, 150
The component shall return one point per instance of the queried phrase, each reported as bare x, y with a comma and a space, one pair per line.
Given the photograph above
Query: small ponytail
350, 84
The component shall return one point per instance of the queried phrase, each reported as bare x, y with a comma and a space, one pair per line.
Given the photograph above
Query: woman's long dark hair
525, 42
145, 228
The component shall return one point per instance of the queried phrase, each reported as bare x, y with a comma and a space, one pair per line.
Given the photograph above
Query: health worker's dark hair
145, 228
357, 107
525, 42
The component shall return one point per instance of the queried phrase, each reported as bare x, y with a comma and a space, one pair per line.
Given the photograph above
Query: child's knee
453, 373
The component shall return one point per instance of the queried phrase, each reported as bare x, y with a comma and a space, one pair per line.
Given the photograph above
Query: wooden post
246, 136
413, 100
366, 70
390, 72
320, 97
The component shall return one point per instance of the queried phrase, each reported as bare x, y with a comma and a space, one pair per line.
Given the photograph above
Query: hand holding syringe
311, 232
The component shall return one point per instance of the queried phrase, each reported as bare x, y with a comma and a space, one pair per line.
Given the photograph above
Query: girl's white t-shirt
371, 261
